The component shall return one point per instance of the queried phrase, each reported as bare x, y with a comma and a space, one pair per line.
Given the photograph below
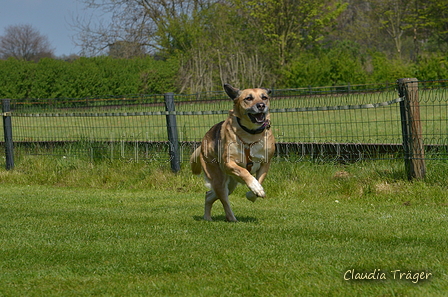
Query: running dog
232, 150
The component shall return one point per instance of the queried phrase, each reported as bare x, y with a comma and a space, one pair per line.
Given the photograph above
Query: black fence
407, 120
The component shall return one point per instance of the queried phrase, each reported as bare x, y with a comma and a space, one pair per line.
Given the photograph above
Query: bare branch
138, 22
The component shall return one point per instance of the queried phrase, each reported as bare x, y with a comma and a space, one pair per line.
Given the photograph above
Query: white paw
256, 188
251, 196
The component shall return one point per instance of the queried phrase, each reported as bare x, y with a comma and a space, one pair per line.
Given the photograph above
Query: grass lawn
69, 228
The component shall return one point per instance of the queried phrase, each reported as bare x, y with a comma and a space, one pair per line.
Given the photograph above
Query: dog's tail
194, 161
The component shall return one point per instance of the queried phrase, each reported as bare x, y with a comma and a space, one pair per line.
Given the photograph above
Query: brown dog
236, 148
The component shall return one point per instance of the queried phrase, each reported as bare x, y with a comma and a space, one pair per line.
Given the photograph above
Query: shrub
86, 77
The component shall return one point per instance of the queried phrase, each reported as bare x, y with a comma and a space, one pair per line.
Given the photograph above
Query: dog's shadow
222, 218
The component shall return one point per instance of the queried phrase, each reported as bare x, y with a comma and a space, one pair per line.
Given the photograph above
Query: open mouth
257, 117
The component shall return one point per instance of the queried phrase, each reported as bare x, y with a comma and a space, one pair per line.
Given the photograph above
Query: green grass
72, 228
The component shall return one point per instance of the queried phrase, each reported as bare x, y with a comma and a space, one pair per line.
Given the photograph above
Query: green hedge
86, 77
106, 76
345, 64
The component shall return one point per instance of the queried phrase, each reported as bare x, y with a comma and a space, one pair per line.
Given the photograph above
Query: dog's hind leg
229, 213
220, 190
231, 185
210, 198
223, 196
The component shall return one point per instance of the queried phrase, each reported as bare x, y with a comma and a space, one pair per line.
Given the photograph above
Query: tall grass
74, 171
69, 227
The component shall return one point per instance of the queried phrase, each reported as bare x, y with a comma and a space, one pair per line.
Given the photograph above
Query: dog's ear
231, 91
267, 91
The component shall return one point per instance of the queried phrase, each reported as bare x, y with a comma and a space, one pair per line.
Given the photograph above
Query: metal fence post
414, 152
7, 131
173, 137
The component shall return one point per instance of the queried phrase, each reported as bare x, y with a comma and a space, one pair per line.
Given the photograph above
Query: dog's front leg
261, 175
244, 176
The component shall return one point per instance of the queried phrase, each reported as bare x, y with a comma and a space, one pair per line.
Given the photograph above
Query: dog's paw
231, 219
208, 218
256, 188
251, 196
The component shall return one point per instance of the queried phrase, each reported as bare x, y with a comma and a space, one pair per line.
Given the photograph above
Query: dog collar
266, 125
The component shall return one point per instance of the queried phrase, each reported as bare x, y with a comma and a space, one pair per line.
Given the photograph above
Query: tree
198, 32
149, 24
431, 24
256, 43
290, 25
394, 17
123, 49
24, 42
400, 29
216, 47
357, 24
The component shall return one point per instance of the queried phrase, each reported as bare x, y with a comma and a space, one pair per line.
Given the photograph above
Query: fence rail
344, 123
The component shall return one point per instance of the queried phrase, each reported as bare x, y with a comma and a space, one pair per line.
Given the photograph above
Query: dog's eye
249, 98
264, 97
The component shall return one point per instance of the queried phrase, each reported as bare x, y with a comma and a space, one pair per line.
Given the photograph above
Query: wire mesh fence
346, 123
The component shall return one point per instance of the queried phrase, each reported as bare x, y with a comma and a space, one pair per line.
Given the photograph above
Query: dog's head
251, 106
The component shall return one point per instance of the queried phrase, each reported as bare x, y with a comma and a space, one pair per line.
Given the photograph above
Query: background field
105, 122
73, 228
134, 128
124, 119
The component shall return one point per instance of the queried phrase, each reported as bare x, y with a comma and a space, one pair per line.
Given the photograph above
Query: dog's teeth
259, 117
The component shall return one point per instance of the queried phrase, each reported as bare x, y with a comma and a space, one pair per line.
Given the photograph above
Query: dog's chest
250, 156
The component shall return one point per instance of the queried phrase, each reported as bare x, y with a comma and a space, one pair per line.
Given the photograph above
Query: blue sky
50, 17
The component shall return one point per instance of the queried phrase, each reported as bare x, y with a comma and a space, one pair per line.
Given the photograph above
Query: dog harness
266, 125
249, 162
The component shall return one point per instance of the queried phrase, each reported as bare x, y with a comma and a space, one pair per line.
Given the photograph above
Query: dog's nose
261, 106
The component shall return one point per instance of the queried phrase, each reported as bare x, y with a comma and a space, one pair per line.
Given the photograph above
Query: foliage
198, 45
16, 77
338, 65
388, 70
433, 67
281, 43
206, 43
86, 77
296, 25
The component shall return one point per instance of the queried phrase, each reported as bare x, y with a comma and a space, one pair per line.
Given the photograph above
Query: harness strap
247, 146
249, 162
